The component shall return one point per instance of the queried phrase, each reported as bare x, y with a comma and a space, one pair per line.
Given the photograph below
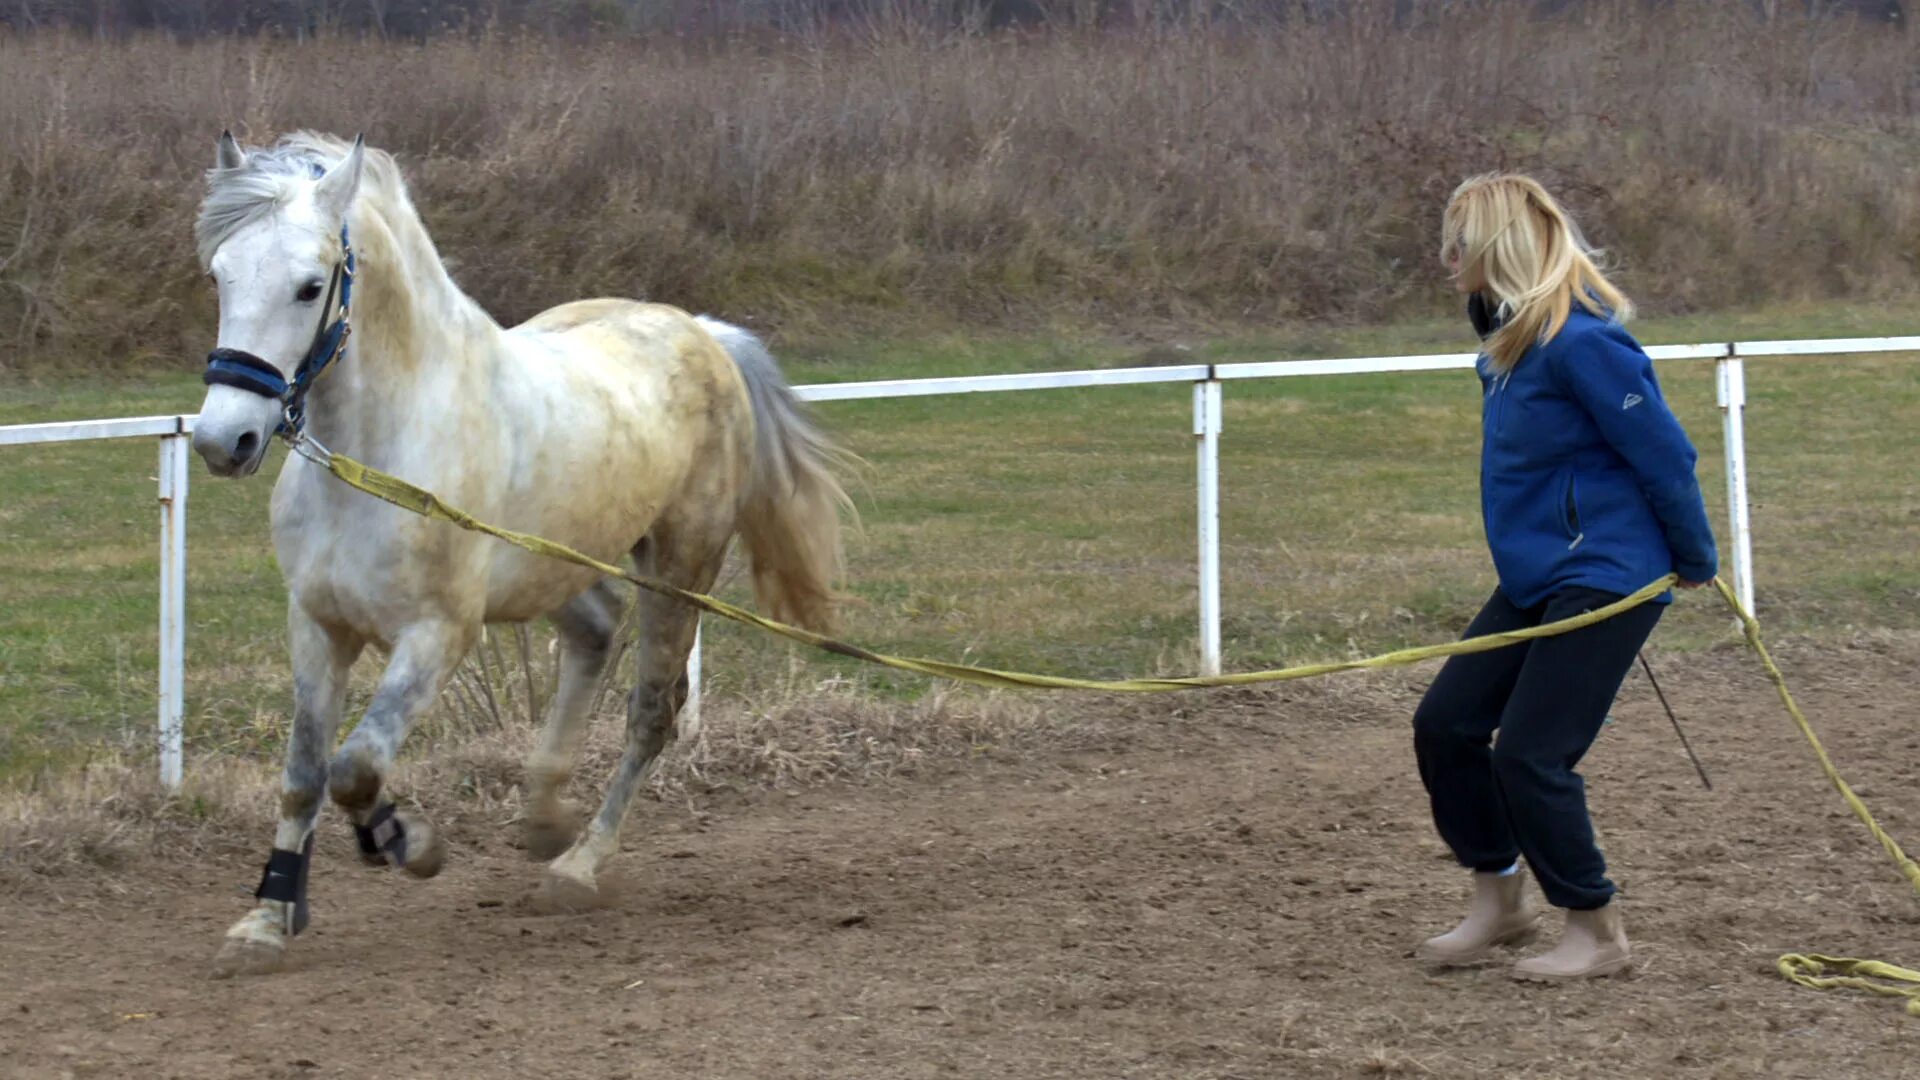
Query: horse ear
228, 154
336, 189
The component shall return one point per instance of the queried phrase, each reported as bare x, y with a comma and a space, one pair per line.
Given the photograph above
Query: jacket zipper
1496, 388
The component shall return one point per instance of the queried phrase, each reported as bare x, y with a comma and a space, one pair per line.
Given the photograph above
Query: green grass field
1049, 531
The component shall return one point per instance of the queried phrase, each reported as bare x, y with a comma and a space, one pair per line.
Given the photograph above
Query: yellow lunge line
402, 494
1804, 969
1752, 627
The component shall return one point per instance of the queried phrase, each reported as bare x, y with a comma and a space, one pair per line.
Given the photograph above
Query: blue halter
236, 368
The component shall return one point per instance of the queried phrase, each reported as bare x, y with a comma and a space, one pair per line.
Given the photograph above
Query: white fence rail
1207, 381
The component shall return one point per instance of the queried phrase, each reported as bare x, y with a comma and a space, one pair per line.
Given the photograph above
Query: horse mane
271, 176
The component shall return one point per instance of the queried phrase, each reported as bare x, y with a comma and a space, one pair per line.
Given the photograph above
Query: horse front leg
424, 658
321, 659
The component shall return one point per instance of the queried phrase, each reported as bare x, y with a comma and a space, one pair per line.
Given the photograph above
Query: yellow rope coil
1808, 969
1804, 969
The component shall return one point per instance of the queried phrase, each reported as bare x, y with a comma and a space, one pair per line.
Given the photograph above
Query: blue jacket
1586, 477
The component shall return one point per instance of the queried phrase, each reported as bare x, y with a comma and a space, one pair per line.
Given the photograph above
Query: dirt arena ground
1231, 890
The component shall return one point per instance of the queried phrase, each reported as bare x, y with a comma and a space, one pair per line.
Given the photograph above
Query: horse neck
418, 341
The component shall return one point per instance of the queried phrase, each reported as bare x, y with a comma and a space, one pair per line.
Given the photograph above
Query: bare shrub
881, 177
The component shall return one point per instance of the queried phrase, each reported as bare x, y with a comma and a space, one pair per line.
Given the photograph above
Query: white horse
616, 427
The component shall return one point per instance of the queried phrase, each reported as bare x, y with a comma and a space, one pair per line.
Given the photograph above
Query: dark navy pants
1495, 800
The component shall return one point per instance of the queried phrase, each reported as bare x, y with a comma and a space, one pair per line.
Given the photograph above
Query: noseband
245, 371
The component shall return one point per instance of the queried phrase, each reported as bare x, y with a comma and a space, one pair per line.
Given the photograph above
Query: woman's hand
1684, 584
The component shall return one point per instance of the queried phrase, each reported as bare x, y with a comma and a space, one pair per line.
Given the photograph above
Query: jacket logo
1632, 400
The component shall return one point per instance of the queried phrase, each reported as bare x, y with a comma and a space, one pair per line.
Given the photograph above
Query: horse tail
790, 519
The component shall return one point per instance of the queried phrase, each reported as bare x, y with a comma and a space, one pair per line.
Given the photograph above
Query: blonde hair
1506, 231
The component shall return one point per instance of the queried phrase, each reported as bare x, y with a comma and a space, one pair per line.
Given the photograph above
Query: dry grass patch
59, 823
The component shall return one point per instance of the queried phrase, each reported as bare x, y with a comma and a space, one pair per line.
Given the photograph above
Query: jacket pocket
1570, 510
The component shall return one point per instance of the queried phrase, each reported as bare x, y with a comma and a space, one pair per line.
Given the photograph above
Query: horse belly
522, 585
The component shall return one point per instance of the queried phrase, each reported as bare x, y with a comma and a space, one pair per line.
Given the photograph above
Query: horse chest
368, 567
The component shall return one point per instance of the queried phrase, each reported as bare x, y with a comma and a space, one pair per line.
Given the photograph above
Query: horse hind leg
665, 637
586, 627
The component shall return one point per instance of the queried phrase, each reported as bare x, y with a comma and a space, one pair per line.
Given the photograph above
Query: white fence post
690, 709
173, 606
1206, 430
1731, 379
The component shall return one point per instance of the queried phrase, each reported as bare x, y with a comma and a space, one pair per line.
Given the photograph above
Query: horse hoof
563, 895
548, 840
242, 956
426, 848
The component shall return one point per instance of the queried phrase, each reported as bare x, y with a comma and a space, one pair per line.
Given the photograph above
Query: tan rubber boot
1594, 944
1499, 914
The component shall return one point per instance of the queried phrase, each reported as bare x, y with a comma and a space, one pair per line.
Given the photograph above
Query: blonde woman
1587, 493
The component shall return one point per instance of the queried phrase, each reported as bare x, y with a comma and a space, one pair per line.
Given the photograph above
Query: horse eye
308, 293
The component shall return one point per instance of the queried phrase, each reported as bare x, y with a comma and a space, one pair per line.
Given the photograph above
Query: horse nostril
243, 450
